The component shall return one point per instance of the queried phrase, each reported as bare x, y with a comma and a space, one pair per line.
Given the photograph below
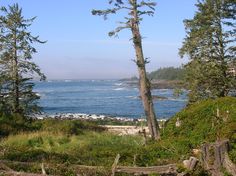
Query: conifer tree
135, 9
16, 49
210, 45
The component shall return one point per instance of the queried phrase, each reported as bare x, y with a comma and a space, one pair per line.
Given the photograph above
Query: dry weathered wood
5, 167
167, 169
76, 168
191, 163
183, 174
13, 173
134, 161
43, 169
215, 156
229, 165
114, 166
49, 164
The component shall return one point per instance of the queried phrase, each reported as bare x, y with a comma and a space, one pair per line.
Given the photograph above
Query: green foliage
69, 127
233, 148
177, 92
167, 73
57, 141
16, 68
200, 123
90, 148
210, 45
13, 124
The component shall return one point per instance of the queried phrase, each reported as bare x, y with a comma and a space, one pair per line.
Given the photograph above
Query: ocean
103, 97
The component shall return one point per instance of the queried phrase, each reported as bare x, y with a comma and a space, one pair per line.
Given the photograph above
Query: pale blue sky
78, 46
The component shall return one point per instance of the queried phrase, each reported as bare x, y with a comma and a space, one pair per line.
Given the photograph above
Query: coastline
116, 125
92, 117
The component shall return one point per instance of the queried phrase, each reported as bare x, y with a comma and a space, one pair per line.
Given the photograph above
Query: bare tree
135, 10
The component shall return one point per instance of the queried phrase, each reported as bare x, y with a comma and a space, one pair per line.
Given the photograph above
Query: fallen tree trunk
167, 169
5, 170
13, 173
4, 167
46, 165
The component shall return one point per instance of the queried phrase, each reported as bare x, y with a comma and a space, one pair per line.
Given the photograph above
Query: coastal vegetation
76, 142
210, 46
164, 78
86, 147
168, 74
16, 66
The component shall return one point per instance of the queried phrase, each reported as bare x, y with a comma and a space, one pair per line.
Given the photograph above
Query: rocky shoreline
90, 117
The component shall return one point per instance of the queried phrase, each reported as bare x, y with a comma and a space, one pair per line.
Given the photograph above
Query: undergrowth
71, 142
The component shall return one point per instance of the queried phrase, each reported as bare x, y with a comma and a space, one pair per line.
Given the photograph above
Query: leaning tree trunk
145, 87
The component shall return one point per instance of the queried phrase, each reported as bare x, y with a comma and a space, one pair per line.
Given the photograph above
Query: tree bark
145, 87
215, 156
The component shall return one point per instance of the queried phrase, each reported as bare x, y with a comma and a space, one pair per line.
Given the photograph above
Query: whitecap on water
132, 97
177, 99
119, 89
118, 84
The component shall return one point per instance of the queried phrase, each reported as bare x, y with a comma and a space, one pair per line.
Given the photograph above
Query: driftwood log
5, 170
162, 170
215, 157
167, 169
13, 173
5, 167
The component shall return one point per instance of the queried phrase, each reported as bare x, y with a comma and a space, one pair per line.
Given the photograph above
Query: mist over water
103, 97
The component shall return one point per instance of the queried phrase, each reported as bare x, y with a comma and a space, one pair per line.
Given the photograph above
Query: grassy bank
202, 122
85, 143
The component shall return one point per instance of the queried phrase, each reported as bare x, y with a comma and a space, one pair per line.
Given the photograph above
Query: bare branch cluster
142, 7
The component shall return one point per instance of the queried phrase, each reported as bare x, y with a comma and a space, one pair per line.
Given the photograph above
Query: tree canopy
167, 73
16, 67
210, 46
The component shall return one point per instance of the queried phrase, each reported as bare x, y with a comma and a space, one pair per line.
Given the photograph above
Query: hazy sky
78, 46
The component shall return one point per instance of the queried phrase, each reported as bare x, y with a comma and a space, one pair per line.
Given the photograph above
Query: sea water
103, 97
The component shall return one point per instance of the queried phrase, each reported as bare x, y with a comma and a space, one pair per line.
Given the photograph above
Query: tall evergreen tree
135, 9
210, 45
15, 62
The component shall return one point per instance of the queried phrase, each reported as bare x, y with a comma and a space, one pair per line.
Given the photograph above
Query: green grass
91, 148
85, 143
199, 124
